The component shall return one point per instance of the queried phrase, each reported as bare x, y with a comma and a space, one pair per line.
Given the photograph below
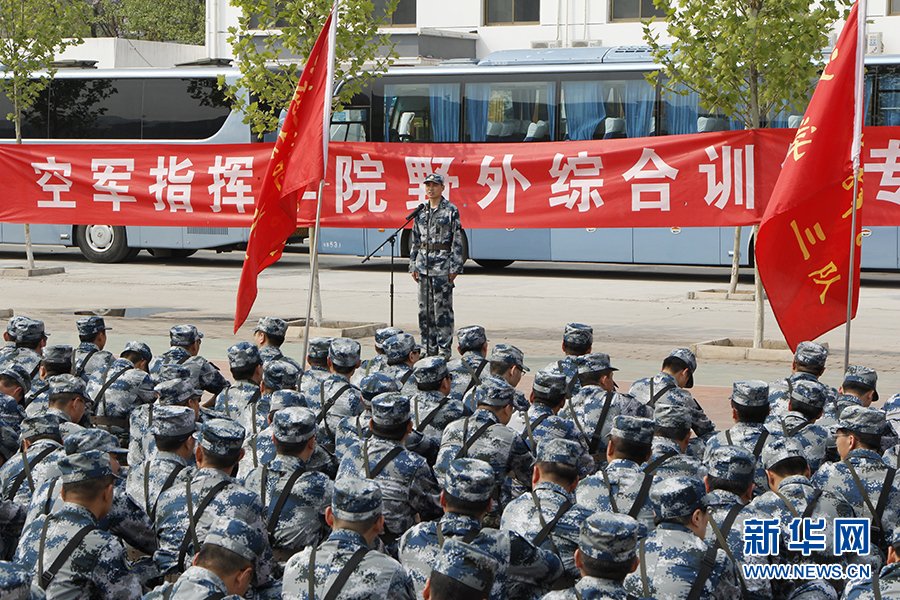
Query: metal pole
313, 267
852, 263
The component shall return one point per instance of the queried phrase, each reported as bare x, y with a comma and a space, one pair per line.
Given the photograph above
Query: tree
179, 21
748, 59
31, 32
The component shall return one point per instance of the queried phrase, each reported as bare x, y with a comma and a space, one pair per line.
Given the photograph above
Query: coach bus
530, 96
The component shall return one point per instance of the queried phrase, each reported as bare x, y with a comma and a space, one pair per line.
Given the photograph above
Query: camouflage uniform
11, 414
377, 363
309, 382
793, 424
397, 349
555, 427
432, 411
51, 450
471, 340
12, 520
88, 357
204, 374
277, 327
27, 330
808, 354
577, 334
467, 564
38, 397
669, 458
124, 388
341, 398
888, 580
235, 399
174, 392
15, 583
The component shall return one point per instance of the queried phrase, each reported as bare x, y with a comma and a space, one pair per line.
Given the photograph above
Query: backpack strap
405, 377
33, 395
101, 394
194, 518
570, 384
595, 439
36, 370
530, 427
659, 394
183, 360
80, 370
170, 480
476, 374
282, 500
387, 458
815, 500
609, 491
728, 437
48, 575
430, 416
225, 401
464, 451
26, 471
340, 581
48, 504
760, 443
644, 583
647, 482
882, 498
722, 542
331, 400
546, 528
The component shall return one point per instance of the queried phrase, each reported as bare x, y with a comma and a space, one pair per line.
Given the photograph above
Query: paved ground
639, 313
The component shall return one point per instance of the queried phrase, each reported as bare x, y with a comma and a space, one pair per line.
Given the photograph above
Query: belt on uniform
439, 247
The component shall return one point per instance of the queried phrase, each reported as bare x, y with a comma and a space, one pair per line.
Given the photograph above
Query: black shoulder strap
49, 502
341, 580
570, 384
36, 370
659, 461
793, 430
48, 575
331, 400
169, 482
385, 460
709, 559
609, 491
760, 442
182, 552
17, 482
34, 394
101, 395
647, 482
464, 451
430, 416
659, 394
80, 370
282, 500
538, 421
405, 377
182, 360
546, 529
815, 500
595, 439
728, 437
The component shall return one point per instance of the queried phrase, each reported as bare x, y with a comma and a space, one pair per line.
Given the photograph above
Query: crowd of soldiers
406, 477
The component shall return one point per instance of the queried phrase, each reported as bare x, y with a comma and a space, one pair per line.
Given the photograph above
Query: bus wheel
491, 264
171, 252
104, 243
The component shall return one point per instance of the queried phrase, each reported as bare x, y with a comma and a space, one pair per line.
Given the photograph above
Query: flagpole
326, 135
859, 97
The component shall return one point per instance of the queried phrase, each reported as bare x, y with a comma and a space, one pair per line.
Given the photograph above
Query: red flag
803, 244
298, 163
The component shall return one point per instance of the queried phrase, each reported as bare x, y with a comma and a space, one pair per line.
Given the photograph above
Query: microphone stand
393, 239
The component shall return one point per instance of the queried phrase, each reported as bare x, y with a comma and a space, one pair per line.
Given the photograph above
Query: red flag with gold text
298, 162
803, 244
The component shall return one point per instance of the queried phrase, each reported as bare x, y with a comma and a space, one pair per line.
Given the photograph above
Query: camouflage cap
509, 354
91, 325
172, 371
377, 383
558, 450
84, 440
430, 369
859, 375
15, 582
141, 348
238, 536
668, 414
469, 479
243, 355
779, 448
272, 326
472, 336
398, 347
390, 409
173, 421
356, 499
609, 536
57, 355
318, 348
280, 375
892, 408
344, 352
84, 465
811, 393
39, 425
860, 419
175, 392
9, 441
382, 334
494, 391
17, 372
688, 357
67, 384
678, 496
578, 334
184, 335
811, 353
549, 381
434, 178
294, 425
220, 436
468, 565
636, 429
595, 363
30, 330
282, 399
11, 326
731, 463
750, 393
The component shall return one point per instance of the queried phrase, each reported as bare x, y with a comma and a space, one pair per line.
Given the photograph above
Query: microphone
414, 213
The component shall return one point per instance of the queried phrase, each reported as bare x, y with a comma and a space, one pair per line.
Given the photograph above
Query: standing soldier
435, 259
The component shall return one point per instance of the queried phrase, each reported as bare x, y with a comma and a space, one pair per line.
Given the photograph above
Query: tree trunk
735, 261
29, 254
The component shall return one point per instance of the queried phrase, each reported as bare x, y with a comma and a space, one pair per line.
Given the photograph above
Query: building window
404, 14
505, 12
894, 7
638, 10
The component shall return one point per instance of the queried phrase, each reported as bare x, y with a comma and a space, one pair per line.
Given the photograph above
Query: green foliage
271, 71
749, 59
179, 21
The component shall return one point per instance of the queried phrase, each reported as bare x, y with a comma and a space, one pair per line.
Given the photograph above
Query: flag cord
852, 265
313, 267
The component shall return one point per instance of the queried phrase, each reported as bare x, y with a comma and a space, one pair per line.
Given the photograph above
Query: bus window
421, 112
34, 119
887, 98
183, 109
510, 112
607, 109
349, 125
95, 108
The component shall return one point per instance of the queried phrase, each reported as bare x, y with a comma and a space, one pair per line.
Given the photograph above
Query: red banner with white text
702, 180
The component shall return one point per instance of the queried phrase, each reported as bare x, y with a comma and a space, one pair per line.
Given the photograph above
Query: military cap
811, 393
398, 347
173, 421
140, 348
469, 479
430, 369
594, 363
390, 409
636, 429
356, 499
892, 408
287, 399
17, 372
377, 383
243, 355
750, 393
84, 465
236, 535
468, 565
668, 414
172, 371
344, 352
859, 375
780, 448
382, 334
84, 440
280, 375
184, 335
811, 353
318, 348
578, 334
220, 436
91, 325
272, 326
558, 450
40, 425
509, 354
175, 391
549, 381
609, 536
294, 425
9, 442
11, 326
15, 582
435, 178
67, 384
678, 496
472, 336
494, 391
860, 419
57, 355
30, 330
731, 463
688, 357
